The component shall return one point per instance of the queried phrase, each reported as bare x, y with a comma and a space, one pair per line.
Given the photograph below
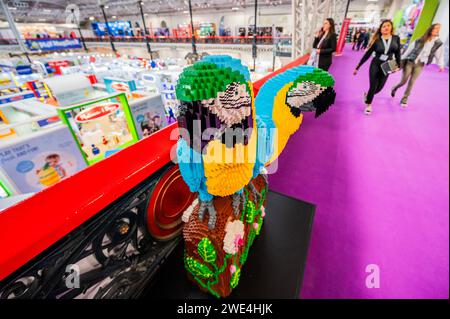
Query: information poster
101, 127
42, 160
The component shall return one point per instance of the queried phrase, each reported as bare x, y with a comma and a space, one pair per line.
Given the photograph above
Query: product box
148, 115
69, 89
101, 127
4, 189
41, 160
115, 85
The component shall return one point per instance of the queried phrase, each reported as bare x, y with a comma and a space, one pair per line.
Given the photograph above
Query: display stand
276, 262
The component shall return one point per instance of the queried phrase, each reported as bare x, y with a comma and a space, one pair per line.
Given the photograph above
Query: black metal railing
116, 241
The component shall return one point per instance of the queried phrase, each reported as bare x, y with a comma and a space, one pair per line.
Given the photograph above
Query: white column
441, 17
395, 6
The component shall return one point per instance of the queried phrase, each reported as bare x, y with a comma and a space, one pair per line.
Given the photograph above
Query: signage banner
16, 97
342, 36
53, 44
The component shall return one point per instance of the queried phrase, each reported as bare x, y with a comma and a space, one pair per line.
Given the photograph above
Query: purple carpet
381, 187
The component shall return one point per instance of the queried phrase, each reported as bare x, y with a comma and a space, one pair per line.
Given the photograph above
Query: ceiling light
114, 17
235, 8
41, 19
185, 11
92, 18
106, 7
12, 8
47, 10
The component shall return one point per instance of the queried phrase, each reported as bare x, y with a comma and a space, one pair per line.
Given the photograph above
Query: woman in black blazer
385, 46
325, 44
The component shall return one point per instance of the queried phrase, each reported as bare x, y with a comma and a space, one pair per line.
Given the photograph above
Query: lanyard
387, 44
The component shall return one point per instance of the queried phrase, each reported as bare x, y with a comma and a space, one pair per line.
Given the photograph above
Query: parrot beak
323, 102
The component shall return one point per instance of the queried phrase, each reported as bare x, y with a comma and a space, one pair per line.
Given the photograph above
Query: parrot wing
191, 165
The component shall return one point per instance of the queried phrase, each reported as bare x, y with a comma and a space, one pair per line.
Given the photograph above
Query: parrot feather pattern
227, 138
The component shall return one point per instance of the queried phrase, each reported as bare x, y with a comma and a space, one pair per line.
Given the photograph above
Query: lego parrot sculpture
228, 136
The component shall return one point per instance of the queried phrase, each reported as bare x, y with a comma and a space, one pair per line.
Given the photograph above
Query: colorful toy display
227, 140
92, 123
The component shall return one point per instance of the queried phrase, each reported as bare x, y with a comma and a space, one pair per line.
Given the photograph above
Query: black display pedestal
275, 265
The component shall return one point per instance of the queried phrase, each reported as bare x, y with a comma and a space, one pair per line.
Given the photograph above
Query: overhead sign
53, 44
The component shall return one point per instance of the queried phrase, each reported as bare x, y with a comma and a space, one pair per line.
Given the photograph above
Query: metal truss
308, 16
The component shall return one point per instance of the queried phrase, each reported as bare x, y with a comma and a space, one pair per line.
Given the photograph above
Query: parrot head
215, 98
312, 91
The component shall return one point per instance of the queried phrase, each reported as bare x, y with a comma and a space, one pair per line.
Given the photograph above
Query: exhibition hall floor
381, 187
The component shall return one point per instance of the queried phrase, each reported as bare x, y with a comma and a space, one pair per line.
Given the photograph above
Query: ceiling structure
54, 11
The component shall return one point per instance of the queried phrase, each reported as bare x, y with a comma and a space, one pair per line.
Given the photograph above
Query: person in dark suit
361, 39
386, 46
325, 42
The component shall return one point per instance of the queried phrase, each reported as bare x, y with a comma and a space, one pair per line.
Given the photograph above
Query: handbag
389, 67
313, 58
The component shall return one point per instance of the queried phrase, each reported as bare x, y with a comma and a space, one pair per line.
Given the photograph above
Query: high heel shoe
368, 110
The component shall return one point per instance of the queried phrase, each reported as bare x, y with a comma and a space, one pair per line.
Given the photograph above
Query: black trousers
358, 46
325, 62
377, 80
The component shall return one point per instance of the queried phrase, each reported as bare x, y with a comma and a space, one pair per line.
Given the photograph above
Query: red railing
33, 225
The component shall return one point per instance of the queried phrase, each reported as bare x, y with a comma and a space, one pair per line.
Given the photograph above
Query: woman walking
325, 44
385, 45
420, 52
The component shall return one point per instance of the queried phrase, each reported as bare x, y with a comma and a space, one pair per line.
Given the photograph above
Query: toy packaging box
114, 85
40, 160
148, 114
101, 127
